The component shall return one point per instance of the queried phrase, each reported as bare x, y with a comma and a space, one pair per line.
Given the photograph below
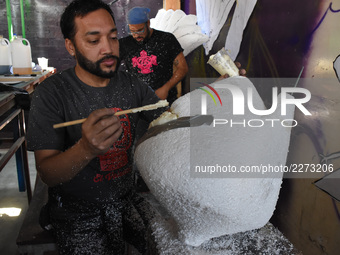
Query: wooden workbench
10, 112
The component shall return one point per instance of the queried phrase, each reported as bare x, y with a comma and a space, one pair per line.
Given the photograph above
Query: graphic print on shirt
117, 156
144, 62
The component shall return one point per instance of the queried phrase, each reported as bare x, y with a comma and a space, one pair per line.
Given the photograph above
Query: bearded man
92, 205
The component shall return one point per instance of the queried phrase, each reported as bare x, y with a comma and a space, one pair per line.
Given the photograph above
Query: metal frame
19, 149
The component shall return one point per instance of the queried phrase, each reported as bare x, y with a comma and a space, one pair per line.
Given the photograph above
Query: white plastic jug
21, 56
5, 55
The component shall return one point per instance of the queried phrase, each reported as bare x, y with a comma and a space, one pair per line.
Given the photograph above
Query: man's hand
242, 71
100, 131
162, 92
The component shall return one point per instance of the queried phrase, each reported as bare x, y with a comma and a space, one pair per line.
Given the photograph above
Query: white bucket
223, 64
5, 56
21, 56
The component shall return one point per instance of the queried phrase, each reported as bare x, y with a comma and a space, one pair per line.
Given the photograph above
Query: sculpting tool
159, 104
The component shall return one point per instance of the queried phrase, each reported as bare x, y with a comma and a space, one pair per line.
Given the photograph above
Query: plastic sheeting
212, 15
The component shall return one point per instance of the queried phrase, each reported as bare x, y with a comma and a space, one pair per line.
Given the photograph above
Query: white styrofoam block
189, 42
184, 27
164, 20
187, 20
209, 207
154, 22
188, 29
173, 21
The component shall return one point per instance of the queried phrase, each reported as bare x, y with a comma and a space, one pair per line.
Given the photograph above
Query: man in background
155, 57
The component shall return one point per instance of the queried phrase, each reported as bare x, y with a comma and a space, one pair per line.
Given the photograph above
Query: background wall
281, 38
42, 25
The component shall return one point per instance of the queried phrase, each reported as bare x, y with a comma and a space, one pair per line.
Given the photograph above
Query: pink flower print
144, 62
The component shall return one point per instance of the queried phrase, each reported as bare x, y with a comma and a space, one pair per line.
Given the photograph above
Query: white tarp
212, 15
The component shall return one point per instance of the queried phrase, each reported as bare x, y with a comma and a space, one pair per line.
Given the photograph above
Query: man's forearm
57, 167
177, 76
99, 132
180, 70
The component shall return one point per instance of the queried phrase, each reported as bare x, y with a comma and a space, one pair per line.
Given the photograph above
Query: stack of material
183, 27
163, 238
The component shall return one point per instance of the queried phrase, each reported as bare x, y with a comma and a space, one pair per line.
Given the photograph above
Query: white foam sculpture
184, 27
210, 207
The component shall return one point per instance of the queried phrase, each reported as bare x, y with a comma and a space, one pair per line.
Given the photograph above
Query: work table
13, 139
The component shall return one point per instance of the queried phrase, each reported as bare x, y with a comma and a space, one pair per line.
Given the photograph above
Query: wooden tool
159, 104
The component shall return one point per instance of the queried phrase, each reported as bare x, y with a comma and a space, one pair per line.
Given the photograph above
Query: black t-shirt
151, 61
63, 97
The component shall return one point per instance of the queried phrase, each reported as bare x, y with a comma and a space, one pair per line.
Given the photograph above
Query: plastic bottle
5, 56
21, 56
223, 64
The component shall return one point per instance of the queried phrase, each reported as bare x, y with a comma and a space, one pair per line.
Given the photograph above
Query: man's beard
144, 39
94, 67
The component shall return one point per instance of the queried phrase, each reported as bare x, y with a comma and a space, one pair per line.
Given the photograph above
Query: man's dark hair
79, 8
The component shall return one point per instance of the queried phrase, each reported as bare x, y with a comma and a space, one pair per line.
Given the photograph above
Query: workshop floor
10, 197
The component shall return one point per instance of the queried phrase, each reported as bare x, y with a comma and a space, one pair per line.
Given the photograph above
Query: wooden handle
69, 123
161, 103
75, 122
